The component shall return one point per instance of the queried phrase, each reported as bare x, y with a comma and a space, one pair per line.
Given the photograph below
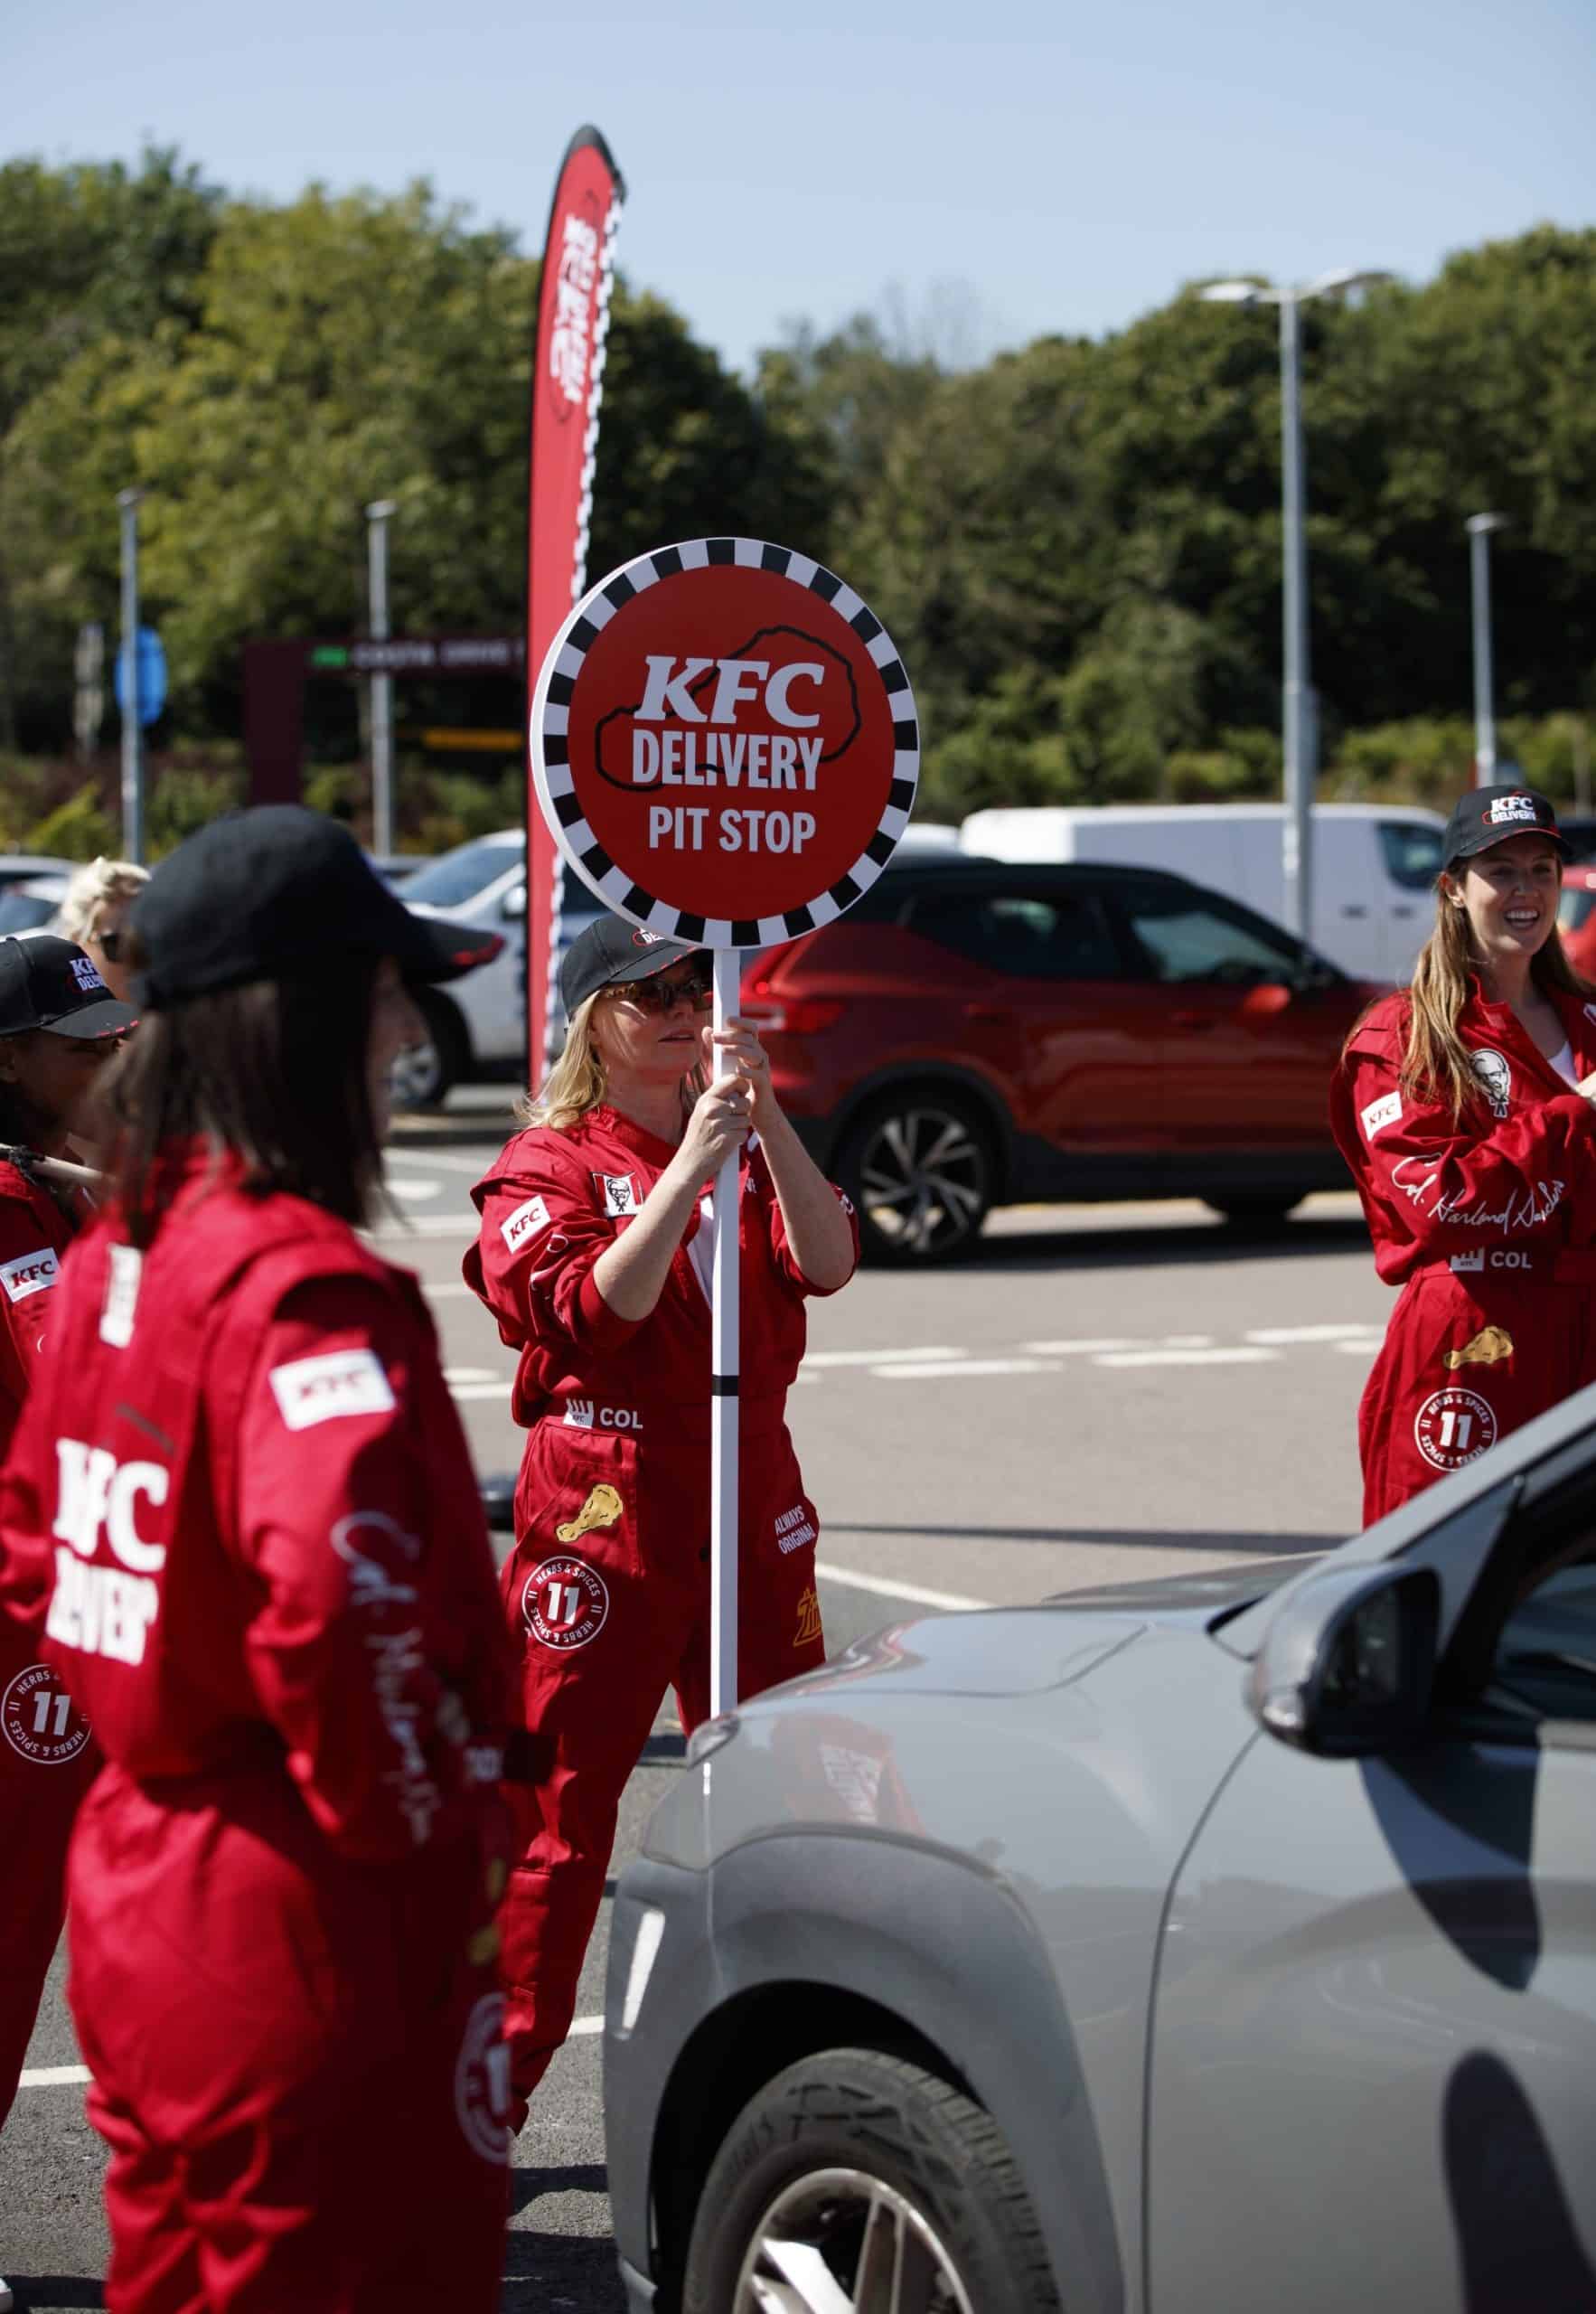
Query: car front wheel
918, 1166
861, 2182
424, 1072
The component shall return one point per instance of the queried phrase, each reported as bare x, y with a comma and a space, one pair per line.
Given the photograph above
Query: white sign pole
724, 1314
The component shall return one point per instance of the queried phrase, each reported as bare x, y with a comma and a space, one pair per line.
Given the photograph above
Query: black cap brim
650, 961
111, 1019
435, 947
1490, 839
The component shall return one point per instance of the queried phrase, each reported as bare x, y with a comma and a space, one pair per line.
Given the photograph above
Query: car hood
1187, 1598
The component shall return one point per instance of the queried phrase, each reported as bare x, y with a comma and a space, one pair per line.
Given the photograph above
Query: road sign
725, 742
152, 675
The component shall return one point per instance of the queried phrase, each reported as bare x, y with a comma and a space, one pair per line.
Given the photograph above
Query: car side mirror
1348, 1664
1263, 1002
513, 906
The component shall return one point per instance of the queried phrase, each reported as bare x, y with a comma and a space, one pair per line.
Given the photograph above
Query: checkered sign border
551, 765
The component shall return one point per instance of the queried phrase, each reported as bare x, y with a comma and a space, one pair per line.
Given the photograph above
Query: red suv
974, 1033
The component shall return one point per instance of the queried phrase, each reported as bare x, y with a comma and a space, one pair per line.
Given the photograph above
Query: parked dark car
1226, 1943
975, 1033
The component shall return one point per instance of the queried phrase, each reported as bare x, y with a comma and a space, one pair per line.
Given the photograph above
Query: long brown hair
272, 1074
1436, 1063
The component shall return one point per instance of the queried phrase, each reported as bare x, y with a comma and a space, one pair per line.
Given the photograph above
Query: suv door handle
1193, 1021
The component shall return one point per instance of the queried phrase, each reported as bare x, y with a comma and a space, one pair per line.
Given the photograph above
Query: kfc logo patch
565, 1604
309, 1390
481, 2081
620, 1194
1508, 810
1453, 1426
643, 939
1465, 1265
89, 980
1380, 1113
1496, 1079
524, 1224
38, 1718
30, 1273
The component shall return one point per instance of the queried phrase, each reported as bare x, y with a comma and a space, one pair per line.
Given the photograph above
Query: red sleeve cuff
600, 1325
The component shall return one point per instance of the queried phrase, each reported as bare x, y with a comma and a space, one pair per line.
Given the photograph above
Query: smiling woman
1463, 1106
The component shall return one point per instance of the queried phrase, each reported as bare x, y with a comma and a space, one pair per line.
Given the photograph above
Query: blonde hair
90, 890
1436, 1061
578, 1080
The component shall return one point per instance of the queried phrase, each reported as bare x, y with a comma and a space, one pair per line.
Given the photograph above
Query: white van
1373, 869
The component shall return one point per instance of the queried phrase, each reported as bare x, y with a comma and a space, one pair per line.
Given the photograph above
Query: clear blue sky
993, 172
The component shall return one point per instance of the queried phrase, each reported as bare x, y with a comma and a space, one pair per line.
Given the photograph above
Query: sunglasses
111, 945
661, 995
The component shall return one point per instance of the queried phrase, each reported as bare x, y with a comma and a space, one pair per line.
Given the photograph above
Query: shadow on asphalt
545, 2270
1198, 1242
1161, 1538
75, 2292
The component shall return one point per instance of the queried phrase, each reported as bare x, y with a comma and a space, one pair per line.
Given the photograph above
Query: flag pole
724, 1362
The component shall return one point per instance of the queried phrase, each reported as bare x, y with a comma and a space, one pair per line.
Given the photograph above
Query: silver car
1208, 1947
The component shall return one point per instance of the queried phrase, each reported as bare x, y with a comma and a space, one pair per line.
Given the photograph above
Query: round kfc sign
725, 743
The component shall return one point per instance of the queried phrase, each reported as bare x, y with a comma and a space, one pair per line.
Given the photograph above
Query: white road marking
1237, 1355
447, 1285
875, 1357
457, 1377
470, 1392
1286, 1335
1087, 1347
956, 1368
53, 2077
407, 1190
1368, 1348
437, 1160
915, 1593
586, 2025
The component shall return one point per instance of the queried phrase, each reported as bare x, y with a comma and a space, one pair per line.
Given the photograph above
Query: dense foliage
1077, 546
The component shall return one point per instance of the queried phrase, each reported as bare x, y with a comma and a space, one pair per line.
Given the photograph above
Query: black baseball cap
1489, 815
612, 950
278, 892
51, 983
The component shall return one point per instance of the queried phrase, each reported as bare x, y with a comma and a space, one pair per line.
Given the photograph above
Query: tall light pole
1300, 724
377, 519
1480, 527
131, 705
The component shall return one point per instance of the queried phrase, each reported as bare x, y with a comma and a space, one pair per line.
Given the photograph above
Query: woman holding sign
593, 1257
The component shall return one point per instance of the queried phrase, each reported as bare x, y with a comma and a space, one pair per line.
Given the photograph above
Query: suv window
1412, 853
461, 874
1178, 936
1546, 1653
1053, 936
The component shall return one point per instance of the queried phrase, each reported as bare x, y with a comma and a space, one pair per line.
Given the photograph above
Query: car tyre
861, 2181
423, 1074
920, 1169
1256, 1209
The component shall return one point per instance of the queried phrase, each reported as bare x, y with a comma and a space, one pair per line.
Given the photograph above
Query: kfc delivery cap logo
725, 743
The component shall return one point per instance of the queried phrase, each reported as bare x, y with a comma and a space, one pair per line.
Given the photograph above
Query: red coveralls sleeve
1445, 1181
330, 1519
543, 1227
786, 1261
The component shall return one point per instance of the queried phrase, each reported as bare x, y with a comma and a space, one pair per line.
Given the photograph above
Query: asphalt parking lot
1102, 1394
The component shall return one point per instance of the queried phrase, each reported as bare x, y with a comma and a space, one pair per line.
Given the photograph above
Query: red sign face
725, 743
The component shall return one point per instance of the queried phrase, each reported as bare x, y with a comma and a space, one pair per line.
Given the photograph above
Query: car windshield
460, 875
1412, 853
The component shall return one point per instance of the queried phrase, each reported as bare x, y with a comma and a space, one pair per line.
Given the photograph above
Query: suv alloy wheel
861, 2181
918, 1166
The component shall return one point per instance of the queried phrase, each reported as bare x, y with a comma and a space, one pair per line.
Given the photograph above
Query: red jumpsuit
608, 1590
240, 1489
1486, 1223
46, 1759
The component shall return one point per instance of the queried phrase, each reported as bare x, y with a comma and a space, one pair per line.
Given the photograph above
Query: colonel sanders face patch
1497, 1078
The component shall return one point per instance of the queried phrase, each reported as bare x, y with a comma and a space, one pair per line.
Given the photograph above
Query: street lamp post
131, 705
1299, 723
377, 519
1480, 527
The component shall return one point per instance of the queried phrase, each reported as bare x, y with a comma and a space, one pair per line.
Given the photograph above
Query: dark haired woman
594, 1256
58, 1024
240, 1495
1463, 1106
